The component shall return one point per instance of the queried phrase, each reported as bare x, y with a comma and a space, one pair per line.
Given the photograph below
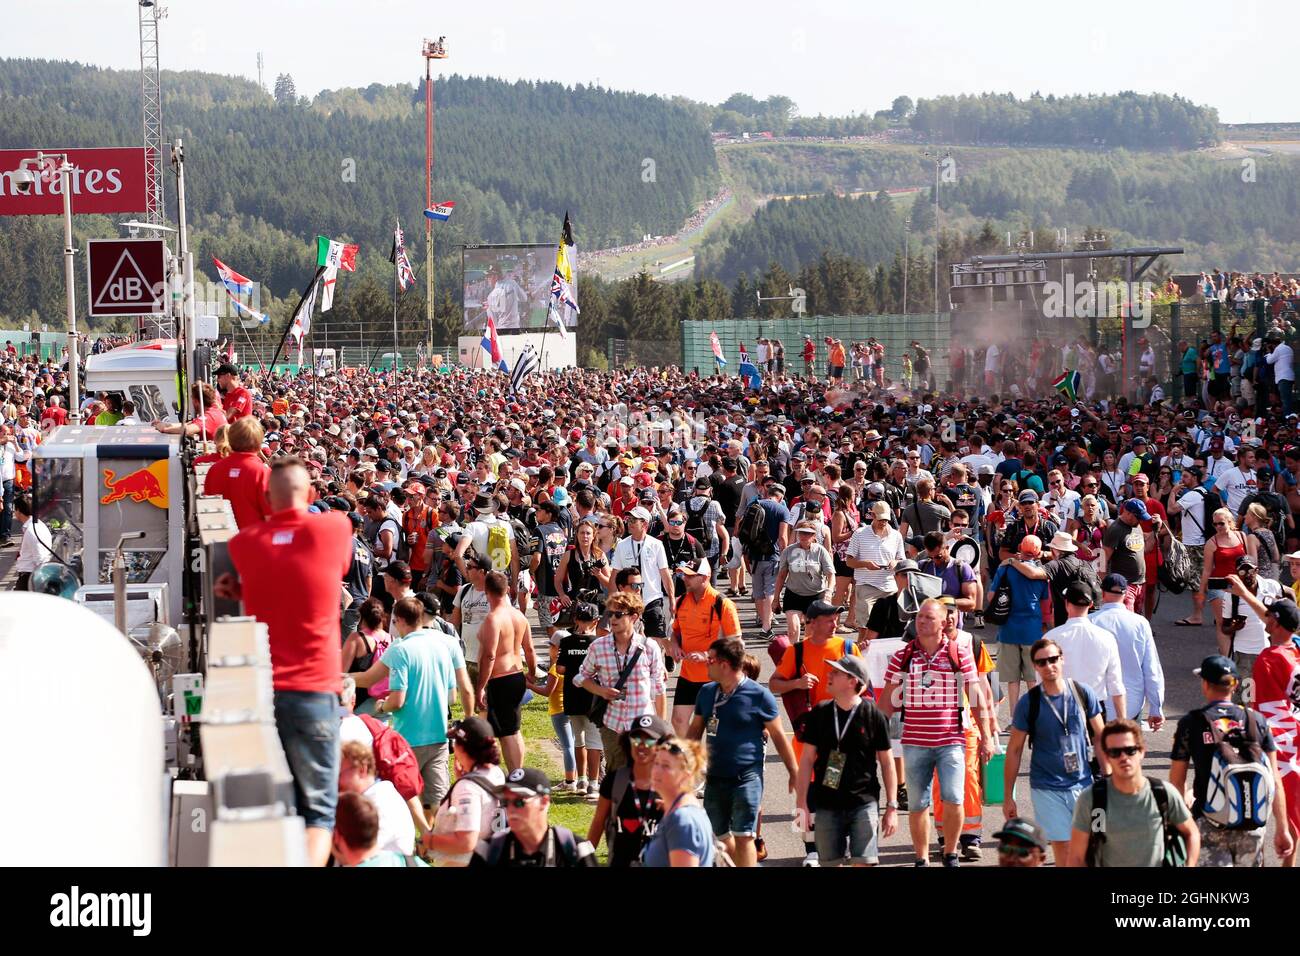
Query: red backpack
394, 759
797, 702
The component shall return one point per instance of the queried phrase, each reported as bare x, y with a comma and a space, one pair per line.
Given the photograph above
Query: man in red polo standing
241, 477
290, 570
236, 401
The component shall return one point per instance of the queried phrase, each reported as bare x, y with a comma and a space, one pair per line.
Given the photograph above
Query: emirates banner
103, 181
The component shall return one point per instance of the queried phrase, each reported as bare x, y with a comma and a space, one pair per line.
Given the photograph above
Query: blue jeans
565, 735
1284, 386
308, 723
949, 760
732, 803
7, 516
853, 830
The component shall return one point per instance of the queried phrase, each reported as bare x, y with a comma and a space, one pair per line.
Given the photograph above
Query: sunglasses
1047, 661
671, 747
1220, 524
616, 615
518, 802
676, 523
1116, 752
1016, 849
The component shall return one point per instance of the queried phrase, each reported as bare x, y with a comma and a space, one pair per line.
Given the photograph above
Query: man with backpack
764, 530
701, 616
1126, 819
1061, 721
1277, 698
1197, 505
706, 523
491, 536
531, 840
1234, 757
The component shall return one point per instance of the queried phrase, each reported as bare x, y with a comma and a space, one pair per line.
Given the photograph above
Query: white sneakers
812, 859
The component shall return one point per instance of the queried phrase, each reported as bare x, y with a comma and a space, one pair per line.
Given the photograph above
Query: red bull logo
145, 484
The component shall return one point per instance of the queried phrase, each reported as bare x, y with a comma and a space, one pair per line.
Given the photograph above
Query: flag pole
320, 271
546, 330
396, 355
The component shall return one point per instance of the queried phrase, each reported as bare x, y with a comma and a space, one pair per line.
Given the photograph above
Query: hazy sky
834, 58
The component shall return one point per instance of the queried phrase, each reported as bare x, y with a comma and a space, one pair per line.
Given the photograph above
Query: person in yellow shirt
553, 690
1293, 563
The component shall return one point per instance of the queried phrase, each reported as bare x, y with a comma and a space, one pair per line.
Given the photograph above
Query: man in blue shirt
1139, 660
763, 567
1062, 721
1025, 624
423, 667
735, 712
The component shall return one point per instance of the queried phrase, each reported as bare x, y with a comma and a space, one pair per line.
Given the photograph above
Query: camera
23, 180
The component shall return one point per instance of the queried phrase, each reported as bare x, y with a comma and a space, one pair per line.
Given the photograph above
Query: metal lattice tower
151, 100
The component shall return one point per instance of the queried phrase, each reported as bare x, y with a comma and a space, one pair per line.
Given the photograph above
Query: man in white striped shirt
872, 552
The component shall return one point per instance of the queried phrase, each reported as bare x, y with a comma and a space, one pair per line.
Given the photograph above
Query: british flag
405, 274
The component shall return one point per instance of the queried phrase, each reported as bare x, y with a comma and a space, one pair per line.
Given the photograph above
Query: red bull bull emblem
145, 484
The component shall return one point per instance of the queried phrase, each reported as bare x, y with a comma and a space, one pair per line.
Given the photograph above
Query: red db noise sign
126, 277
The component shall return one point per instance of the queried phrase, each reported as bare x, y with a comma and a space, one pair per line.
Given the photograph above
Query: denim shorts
854, 830
921, 762
764, 574
733, 803
308, 724
1054, 811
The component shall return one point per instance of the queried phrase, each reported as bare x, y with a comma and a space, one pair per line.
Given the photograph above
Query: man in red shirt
289, 574
206, 422
53, 414
236, 401
1141, 488
1276, 695
241, 477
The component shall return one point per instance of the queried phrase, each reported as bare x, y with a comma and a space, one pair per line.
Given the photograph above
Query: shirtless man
503, 639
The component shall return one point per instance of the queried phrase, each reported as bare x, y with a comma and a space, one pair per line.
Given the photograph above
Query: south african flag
1067, 383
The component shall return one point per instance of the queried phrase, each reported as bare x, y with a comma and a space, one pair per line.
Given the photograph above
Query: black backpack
1175, 847
753, 533
697, 526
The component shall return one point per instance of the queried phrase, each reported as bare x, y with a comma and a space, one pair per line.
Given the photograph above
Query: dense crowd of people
399, 532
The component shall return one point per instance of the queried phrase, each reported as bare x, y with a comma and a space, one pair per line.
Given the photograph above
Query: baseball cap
702, 484
1024, 830
526, 780
398, 570
471, 732
1286, 612
806, 527
1246, 561
1114, 583
586, 611
1028, 496
639, 513
1136, 506
855, 667
696, 567
1078, 594
652, 726
1216, 668
821, 608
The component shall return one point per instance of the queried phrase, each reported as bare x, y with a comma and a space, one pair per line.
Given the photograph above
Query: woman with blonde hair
1222, 549
684, 837
1267, 553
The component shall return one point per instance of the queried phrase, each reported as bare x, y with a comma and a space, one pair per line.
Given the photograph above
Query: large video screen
513, 284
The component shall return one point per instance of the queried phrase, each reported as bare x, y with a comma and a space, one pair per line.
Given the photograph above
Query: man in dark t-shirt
577, 701
844, 760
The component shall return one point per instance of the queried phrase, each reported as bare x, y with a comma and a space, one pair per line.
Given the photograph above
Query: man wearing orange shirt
241, 476
417, 522
703, 615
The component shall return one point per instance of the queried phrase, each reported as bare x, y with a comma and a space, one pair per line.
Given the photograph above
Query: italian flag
339, 255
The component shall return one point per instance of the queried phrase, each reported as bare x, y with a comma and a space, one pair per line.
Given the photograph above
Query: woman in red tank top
1222, 550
